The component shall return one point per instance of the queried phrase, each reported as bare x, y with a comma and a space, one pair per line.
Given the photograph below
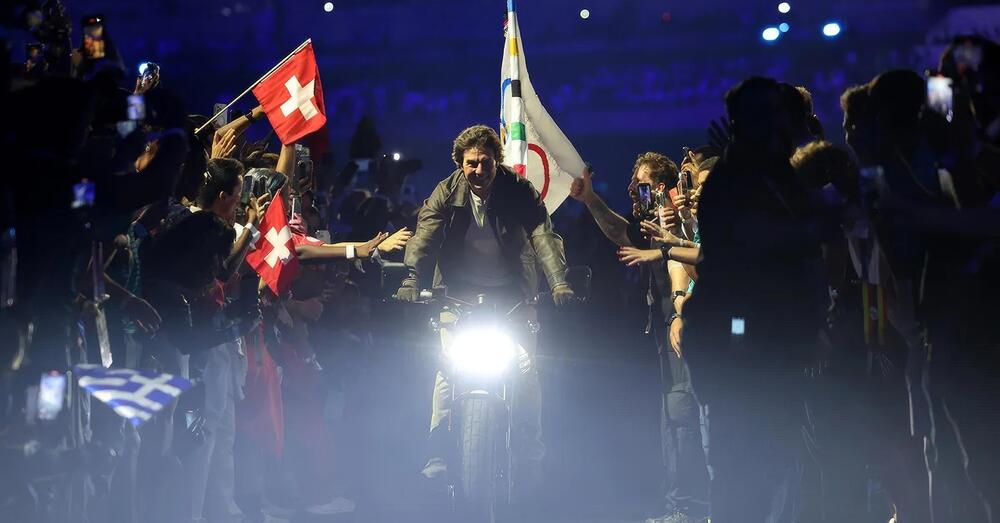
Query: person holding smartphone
95, 47
686, 495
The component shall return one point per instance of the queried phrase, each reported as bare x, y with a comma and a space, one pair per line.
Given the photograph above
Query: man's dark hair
896, 99
741, 98
477, 137
221, 175
855, 101
755, 108
798, 103
262, 160
662, 169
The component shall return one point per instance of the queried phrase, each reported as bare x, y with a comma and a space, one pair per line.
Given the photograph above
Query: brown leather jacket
515, 212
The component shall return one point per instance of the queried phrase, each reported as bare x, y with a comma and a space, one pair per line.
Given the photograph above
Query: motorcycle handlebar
426, 296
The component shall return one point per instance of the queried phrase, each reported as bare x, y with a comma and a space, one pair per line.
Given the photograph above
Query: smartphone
84, 194
93, 36
303, 165
940, 97
645, 196
223, 119
149, 70
685, 182
136, 108
249, 184
51, 394
275, 184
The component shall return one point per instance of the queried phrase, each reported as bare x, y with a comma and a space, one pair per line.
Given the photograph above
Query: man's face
480, 168
643, 175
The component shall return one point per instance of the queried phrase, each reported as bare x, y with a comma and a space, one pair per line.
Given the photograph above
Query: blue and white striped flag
134, 394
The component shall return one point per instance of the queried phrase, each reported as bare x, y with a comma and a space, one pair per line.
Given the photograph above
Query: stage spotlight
831, 30
783, 27
770, 34
585, 13
328, 7
784, 7
396, 156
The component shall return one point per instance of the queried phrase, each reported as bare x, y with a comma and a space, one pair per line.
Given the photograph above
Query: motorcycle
482, 360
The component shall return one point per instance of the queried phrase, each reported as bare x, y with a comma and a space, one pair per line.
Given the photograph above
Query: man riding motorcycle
484, 230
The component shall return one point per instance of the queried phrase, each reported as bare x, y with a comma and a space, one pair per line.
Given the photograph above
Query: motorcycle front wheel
477, 452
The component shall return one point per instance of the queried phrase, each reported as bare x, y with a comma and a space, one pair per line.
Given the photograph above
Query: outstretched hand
223, 143
659, 234
395, 241
632, 256
365, 249
582, 188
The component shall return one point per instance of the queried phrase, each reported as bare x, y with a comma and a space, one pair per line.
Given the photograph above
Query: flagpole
259, 80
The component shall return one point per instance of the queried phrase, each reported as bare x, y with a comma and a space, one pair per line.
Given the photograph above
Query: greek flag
134, 394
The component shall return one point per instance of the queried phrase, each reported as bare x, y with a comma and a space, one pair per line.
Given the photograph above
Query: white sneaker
338, 505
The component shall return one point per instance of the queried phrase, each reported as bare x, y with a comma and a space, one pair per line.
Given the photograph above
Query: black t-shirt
658, 290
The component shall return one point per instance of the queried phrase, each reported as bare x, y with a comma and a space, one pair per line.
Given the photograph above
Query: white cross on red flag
292, 97
274, 256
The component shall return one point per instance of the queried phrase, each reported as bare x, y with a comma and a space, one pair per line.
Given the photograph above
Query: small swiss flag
274, 256
292, 97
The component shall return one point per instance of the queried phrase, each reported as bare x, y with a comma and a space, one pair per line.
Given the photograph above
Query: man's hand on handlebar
563, 295
409, 291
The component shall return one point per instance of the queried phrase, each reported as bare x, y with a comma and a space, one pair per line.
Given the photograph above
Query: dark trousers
686, 483
755, 400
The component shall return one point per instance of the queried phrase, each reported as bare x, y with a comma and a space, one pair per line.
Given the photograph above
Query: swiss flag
274, 256
292, 97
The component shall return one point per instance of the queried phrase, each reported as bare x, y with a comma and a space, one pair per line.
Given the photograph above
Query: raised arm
612, 224
239, 125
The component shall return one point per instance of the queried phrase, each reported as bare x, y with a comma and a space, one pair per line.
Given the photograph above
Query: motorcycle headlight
482, 351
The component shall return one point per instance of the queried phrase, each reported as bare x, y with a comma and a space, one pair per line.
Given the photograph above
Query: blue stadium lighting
831, 30
770, 34
784, 7
783, 27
